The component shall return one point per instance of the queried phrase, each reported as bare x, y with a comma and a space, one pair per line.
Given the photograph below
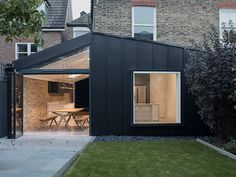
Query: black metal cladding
113, 59
3, 100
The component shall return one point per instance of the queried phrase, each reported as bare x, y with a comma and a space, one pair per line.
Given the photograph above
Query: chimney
82, 13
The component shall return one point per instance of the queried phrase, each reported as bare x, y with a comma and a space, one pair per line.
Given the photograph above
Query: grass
151, 159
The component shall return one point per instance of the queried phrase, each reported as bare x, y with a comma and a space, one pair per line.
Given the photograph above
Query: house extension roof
56, 17
83, 21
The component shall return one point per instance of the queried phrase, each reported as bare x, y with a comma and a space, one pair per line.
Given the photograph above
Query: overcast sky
80, 5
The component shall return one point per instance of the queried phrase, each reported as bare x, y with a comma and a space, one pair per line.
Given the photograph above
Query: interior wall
36, 97
163, 92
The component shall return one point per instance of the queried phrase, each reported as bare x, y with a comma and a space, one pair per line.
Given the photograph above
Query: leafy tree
209, 73
21, 19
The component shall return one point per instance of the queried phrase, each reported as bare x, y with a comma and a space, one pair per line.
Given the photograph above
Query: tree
21, 19
209, 73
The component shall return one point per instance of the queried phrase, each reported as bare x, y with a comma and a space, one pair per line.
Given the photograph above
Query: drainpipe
91, 9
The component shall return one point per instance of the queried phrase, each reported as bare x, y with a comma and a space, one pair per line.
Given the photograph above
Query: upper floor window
25, 49
227, 18
79, 31
144, 22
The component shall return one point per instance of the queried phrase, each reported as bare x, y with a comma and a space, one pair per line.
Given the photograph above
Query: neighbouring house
81, 25
55, 31
127, 75
174, 21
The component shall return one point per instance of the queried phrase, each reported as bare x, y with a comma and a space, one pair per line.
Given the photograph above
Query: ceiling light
72, 76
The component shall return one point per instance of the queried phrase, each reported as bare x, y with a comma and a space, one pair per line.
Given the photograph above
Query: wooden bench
48, 119
81, 120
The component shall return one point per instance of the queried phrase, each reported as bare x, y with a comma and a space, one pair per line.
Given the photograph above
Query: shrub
231, 146
209, 73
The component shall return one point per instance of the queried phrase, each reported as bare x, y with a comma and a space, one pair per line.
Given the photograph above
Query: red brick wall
7, 50
227, 5
150, 3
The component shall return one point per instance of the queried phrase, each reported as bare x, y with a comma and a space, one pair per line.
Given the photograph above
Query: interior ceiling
76, 61
59, 77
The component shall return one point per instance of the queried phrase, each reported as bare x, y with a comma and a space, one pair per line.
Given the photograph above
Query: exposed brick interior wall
178, 21
7, 50
36, 97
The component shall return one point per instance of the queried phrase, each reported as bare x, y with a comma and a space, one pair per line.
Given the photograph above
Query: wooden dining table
66, 113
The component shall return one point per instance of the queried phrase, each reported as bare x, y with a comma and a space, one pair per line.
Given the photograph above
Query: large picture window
156, 97
144, 22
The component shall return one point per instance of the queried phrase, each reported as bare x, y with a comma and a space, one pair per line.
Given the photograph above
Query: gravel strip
140, 138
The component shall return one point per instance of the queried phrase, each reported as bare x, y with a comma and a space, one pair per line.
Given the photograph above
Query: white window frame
178, 97
220, 21
146, 25
28, 49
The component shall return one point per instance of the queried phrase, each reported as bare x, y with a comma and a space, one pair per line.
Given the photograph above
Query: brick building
172, 21
58, 13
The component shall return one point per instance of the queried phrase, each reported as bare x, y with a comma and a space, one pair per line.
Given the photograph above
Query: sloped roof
54, 52
82, 21
57, 11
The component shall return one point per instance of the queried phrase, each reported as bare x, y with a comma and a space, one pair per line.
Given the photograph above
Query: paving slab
39, 154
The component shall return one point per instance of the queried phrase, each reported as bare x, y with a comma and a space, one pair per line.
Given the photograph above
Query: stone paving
40, 155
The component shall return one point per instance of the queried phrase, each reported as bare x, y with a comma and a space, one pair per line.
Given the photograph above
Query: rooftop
57, 11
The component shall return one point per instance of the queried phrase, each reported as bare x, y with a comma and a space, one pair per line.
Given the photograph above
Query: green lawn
151, 159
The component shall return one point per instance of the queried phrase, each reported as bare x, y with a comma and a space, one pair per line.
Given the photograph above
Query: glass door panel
15, 105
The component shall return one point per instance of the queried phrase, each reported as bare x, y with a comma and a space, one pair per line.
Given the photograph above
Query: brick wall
7, 50
113, 17
35, 102
178, 21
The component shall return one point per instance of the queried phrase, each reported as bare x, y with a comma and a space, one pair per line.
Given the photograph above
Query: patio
41, 154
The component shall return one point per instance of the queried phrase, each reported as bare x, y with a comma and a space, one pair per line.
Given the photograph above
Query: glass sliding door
156, 97
15, 105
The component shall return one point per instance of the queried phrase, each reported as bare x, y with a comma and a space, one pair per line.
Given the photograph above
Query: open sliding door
15, 105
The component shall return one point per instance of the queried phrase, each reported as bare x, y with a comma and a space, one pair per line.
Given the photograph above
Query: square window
34, 48
21, 55
22, 48
143, 15
156, 97
143, 32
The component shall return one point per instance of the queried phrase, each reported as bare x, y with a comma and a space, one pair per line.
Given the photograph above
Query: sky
80, 5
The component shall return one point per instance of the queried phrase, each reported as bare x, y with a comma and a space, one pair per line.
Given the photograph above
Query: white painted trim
155, 24
178, 96
132, 21
221, 151
53, 30
148, 25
